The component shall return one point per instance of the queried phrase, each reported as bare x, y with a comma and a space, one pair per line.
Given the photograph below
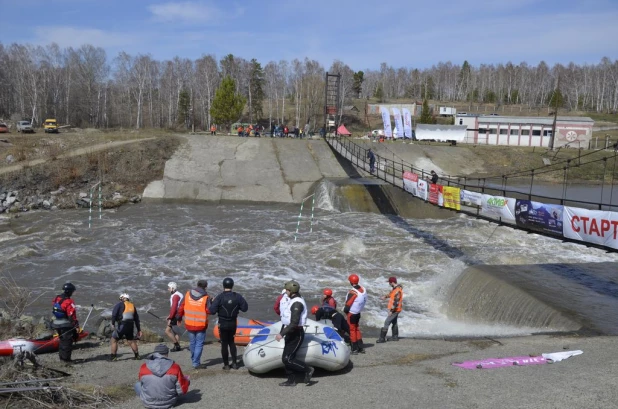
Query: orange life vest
395, 301
213, 128
195, 317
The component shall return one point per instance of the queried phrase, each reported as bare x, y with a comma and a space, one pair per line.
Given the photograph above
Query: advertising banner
539, 216
498, 207
591, 226
435, 194
422, 189
386, 118
407, 123
471, 198
451, 197
398, 124
410, 181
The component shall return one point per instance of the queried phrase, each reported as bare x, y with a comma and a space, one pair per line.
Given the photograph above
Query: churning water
139, 249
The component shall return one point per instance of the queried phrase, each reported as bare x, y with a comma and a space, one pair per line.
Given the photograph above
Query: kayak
244, 326
44, 345
322, 347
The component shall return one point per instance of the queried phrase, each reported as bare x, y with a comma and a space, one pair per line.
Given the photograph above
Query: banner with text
498, 206
451, 197
386, 118
398, 124
421, 190
435, 194
410, 182
591, 226
538, 216
471, 198
407, 123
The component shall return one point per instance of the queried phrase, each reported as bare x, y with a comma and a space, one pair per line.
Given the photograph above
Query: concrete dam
251, 170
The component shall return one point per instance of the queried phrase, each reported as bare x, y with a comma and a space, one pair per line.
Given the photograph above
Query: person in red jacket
354, 304
65, 321
161, 381
327, 299
281, 302
171, 328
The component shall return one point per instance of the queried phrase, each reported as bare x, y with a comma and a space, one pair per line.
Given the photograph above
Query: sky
361, 34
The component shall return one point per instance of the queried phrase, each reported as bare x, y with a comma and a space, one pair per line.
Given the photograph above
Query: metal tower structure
332, 101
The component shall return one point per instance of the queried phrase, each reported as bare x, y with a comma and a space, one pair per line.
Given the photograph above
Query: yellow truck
50, 126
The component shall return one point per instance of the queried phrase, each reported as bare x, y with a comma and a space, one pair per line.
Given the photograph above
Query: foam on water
255, 245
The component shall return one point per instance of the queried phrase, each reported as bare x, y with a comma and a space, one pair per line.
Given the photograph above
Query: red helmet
328, 292
314, 309
353, 279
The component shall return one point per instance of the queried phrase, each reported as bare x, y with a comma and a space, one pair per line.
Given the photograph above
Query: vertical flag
386, 118
398, 125
407, 123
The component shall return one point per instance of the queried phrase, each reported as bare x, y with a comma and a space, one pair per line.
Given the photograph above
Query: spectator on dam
372, 161
434, 177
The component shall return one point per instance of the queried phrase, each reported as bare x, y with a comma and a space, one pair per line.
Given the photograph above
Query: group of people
162, 380
289, 132
250, 130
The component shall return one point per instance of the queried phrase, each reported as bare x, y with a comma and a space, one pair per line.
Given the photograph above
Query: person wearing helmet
194, 309
293, 319
354, 304
328, 302
171, 328
124, 320
337, 319
227, 305
395, 302
65, 321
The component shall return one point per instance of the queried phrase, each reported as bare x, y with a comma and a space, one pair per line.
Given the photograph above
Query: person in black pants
227, 305
338, 320
293, 318
65, 321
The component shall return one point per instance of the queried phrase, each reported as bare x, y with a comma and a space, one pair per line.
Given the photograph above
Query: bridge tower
332, 101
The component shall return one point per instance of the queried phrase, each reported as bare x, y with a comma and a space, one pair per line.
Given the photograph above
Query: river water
138, 249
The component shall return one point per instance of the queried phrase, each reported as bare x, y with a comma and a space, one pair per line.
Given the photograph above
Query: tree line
84, 87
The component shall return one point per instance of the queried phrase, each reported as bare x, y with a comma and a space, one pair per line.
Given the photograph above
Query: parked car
4, 128
50, 125
24, 126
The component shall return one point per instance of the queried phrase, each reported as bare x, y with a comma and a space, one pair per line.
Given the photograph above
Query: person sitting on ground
161, 381
338, 320
124, 319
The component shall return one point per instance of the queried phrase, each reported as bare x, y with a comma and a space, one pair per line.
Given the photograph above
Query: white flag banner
398, 124
407, 123
386, 118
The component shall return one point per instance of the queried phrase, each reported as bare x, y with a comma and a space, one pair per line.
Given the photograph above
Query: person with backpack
65, 321
227, 305
124, 319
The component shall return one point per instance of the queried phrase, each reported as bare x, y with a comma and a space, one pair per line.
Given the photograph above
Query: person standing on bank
354, 304
227, 305
395, 303
65, 321
281, 302
293, 319
124, 318
194, 309
328, 302
171, 329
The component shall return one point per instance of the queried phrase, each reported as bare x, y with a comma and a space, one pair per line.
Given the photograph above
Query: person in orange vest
354, 304
241, 130
124, 319
395, 302
194, 309
213, 129
328, 302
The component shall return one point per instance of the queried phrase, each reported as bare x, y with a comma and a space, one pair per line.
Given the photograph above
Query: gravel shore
410, 373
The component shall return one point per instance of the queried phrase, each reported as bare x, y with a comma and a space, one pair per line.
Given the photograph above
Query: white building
573, 131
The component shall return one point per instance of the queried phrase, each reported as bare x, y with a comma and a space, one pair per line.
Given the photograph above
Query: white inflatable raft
322, 348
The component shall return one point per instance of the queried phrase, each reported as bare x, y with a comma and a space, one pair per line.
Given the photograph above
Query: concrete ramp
226, 168
552, 297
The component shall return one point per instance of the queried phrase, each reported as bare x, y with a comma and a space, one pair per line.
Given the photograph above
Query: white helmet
172, 285
124, 296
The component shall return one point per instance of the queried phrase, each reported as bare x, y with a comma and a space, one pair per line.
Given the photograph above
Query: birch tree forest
85, 87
